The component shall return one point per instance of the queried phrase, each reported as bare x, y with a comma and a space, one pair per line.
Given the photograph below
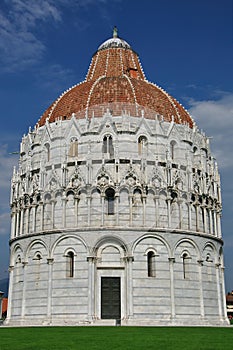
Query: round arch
108, 240
31, 244
155, 236
78, 238
195, 246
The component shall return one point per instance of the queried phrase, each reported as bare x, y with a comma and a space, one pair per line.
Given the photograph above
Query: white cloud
28, 12
215, 117
21, 44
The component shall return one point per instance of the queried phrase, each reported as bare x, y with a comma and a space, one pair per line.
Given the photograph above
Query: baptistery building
116, 207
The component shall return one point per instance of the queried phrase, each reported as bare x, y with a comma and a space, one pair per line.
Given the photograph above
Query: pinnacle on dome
115, 32
114, 42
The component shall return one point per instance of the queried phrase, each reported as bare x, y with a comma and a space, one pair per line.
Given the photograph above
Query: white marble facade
122, 197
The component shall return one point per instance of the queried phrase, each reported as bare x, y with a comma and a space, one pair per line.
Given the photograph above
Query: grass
112, 338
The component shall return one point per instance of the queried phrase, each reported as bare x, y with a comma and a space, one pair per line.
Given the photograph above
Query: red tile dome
115, 81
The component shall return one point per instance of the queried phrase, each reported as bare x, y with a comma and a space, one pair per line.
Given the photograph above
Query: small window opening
73, 151
151, 264
172, 149
70, 264
185, 259
18, 260
37, 256
142, 145
108, 145
47, 146
132, 72
110, 196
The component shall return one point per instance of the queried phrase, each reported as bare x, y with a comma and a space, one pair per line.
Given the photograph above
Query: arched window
108, 146
37, 257
142, 146
37, 267
47, 146
109, 197
70, 264
18, 268
73, 150
185, 260
151, 264
172, 149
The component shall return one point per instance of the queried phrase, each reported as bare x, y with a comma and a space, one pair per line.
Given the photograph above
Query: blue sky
184, 46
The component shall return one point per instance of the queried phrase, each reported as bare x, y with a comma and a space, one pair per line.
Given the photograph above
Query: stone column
204, 218
33, 218
13, 224
76, 211
202, 309
17, 224
130, 209
91, 287
218, 290
156, 210
41, 216
21, 221
102, 206
27, 220
129, 286
64, 212
144, 209
197, 217
25, 264
189, 216
223, 294
179, 202
117, 198
88, 209
218, 218
214, 222
211, 220
52, 213
50, 262
169, 212
10, 293
172, 291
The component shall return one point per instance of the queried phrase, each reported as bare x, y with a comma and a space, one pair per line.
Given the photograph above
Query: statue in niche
102, 180
53, 184
196, 187
179, 184
156, 181
76, 182
23, 185
131, 180
35, 182
137, 198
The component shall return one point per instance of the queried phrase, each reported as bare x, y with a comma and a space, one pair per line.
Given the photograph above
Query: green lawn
125, 338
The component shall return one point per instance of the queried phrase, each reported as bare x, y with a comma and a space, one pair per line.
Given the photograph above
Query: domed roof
115, 80
114, 42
